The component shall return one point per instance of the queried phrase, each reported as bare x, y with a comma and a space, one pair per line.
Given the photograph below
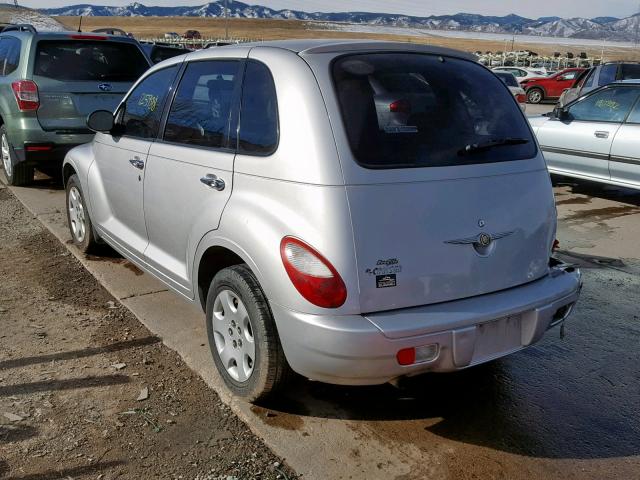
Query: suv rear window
403, 110
81, 60
630, 71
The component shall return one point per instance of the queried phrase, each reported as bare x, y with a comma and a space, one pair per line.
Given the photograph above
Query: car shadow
600, 190
66, 384
86, 471
488, 405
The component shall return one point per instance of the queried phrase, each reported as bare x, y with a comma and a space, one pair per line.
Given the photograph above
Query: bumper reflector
422, 354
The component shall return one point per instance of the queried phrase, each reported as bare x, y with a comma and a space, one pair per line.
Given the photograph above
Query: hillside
608, 28
40, 20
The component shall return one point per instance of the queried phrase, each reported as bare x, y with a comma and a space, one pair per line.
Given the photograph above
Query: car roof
53, 34
316, 46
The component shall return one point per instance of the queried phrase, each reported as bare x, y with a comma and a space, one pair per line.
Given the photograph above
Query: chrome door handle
212, 181
601, 134
136, 162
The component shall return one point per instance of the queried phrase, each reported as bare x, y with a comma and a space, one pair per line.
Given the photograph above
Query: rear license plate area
497, 338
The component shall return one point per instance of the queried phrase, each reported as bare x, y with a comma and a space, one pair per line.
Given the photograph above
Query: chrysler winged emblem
481, 240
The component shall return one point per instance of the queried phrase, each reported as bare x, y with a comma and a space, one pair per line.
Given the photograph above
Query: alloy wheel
77, 217
233, 334
6, 157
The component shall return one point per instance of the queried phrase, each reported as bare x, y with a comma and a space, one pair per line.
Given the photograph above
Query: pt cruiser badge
481, 240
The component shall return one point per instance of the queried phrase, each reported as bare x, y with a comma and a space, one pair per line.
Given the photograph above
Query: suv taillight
26, 92
521, 98
312, 274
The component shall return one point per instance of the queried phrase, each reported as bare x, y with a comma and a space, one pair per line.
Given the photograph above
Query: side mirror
561, 113
100, 121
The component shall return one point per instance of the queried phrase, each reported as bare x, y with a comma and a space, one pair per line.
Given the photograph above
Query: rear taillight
312, 274
400, 106
521, 98
26, 92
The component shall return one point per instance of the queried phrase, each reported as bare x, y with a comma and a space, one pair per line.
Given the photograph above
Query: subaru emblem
105, 87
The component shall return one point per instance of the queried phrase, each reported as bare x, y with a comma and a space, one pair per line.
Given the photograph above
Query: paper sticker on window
148, 101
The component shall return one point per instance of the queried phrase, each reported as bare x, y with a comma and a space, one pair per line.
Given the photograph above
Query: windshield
80, 60
404, 110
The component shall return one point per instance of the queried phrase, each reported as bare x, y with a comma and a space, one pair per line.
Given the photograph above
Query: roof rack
20, 27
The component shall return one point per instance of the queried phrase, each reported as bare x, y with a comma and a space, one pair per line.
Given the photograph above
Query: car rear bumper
362, 349
25, 132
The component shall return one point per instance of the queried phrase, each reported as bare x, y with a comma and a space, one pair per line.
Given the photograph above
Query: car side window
258, 112
201, 111
4, 52
608, 105
568, 76
588, 82
607, 74
634, 116
143, 108
13, 55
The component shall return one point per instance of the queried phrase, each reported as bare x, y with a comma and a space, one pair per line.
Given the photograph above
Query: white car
596, 137
514, 87
523, 73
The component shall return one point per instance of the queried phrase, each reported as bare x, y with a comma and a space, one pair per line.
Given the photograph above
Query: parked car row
219, 169
324, 202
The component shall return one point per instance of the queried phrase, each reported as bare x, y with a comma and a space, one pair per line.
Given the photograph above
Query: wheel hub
77, 219
233, 335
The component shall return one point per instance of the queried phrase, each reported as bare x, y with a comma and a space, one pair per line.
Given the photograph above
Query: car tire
18, 174
78, 219
242, 335
535, 95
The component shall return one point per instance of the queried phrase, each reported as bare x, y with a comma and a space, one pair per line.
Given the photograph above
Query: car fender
80, 159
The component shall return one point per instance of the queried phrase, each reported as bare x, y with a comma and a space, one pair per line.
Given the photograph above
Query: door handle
136, 162
212, 181
601, 134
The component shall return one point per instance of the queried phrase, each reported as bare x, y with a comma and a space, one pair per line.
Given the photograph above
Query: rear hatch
456, 202
81, 74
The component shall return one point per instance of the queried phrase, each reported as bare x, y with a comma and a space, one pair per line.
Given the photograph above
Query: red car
550, 88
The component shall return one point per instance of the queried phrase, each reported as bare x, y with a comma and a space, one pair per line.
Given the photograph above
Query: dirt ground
260, 29
74, 369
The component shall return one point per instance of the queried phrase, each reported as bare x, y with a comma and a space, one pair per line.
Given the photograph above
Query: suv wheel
243, 337
535, 95
18, 174
78, 219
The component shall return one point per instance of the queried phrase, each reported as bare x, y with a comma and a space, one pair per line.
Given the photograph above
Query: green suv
49, 83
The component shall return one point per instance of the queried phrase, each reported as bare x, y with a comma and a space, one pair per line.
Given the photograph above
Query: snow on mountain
602, 27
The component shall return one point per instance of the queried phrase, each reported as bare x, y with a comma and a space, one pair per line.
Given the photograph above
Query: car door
117, 175
561, 83
190, 170
581, 142
624, 163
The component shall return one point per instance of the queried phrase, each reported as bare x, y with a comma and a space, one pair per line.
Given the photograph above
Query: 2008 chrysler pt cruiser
354, 212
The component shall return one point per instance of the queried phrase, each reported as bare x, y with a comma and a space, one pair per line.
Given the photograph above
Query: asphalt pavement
565, 408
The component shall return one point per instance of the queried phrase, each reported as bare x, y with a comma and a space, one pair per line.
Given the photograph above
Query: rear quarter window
403, 110
83, 60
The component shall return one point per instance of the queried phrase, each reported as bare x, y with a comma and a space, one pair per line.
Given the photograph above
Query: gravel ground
86, 392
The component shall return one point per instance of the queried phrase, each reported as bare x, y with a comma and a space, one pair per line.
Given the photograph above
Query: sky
526, 8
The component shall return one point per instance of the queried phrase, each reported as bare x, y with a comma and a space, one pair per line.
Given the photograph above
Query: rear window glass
630, 71
508, 79
81, 60
414, 110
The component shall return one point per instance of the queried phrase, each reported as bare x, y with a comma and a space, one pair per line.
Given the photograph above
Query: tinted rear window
404, 110
89, 60
630, 71
508, 79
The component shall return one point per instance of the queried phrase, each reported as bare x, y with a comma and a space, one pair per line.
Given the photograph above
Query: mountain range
609, 28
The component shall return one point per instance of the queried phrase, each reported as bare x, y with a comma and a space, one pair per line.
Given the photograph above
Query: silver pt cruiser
354, 212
